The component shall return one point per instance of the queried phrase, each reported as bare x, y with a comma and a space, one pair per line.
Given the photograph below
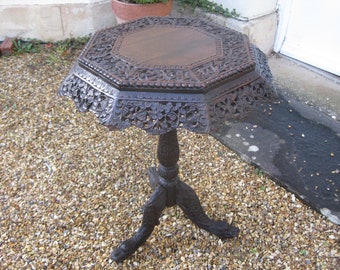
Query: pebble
71, 191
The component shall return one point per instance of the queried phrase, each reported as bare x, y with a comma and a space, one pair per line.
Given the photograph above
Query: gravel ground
71, 190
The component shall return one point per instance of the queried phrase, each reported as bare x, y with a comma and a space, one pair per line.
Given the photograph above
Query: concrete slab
309, 85
295, 138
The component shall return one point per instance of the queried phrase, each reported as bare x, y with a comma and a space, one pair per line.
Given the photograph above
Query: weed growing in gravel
259, 172
70, 44
31, 46
58, 48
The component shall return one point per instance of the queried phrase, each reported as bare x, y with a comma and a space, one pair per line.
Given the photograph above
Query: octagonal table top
161, 73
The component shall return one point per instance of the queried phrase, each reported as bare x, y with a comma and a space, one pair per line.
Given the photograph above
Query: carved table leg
152, 212
188, 201
169, 191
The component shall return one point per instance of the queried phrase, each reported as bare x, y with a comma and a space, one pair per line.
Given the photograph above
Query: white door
309, 31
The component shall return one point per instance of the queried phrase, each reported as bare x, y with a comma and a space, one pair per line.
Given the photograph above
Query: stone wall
51, 20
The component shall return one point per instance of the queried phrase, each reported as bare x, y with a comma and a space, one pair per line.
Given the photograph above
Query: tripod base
169, 194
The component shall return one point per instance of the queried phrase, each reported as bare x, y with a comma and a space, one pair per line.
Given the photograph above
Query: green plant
21, 46
262, 188
61, 49
70, 44
254, 250
259, 172
303, 252
52, 58
144, 1
212, 7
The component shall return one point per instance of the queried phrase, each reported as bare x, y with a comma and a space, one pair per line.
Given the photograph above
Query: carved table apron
160, 74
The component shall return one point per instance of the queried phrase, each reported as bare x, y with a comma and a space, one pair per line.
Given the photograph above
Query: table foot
153, 210
188, 201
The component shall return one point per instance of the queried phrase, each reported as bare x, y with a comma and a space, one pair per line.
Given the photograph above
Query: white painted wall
45, 2
250, 9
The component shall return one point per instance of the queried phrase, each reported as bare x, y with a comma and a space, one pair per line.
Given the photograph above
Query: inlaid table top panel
168, 47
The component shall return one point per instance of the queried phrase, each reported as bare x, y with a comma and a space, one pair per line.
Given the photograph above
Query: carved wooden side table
160, 74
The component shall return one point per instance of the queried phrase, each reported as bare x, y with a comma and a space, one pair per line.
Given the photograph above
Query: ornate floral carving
87, 98
102, 56
160, 99
148, 111
158, 117
238, 103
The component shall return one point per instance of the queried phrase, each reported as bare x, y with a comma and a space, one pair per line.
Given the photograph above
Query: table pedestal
169, 190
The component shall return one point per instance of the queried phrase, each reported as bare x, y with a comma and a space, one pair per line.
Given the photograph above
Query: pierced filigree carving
87, 98
158, 117
147, 111
238, 103
158, 99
